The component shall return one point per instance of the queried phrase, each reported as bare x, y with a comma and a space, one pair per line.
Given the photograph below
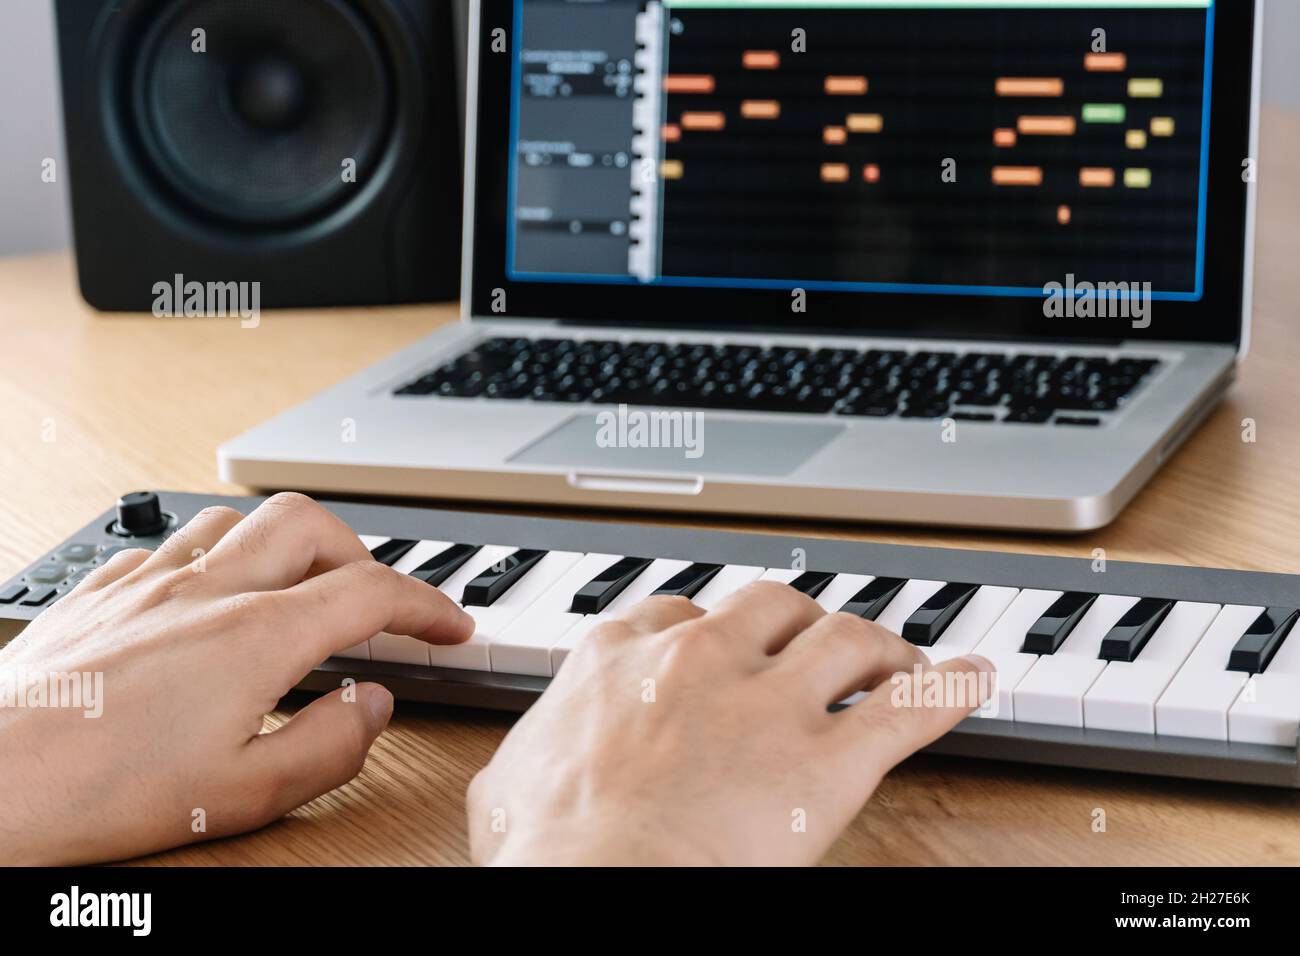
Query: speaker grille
255, 129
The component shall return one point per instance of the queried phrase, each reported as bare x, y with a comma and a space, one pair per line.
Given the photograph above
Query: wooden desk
137, 402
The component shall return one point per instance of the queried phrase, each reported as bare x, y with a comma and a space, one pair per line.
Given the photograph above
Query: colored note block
835, 172
1162, 126
704, 121
871, 173
1096, 177
835, 135
846, 85
1137, 178
1105, 62
1004, 138
671, 169
1146, 88
1017, 175
689, 83
1136, 139
671, 133
1046, 125
1063, 215
1029, 86
865, 122
760, 109
1104, 112
761, 60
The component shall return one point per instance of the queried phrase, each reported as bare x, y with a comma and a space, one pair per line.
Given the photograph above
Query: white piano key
645, 584
1267, 711
781, 575
1002, 645
398, 648
490, 622
1124, 696
841, 589
363, 650
524, 645
726, 583
971, 623
1197, 700
907, 602
1052, 692
473, 654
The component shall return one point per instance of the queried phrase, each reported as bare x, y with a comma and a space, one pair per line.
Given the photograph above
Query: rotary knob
139, 515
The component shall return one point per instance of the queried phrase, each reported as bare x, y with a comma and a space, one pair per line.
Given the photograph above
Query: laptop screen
970, 167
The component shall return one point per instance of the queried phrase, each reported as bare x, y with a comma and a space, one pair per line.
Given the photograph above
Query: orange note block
689, 83
1029, 86
1105, 62
835, 172
1017, 175
846, 85
761, 60
704, 121
1097, 177
760, 109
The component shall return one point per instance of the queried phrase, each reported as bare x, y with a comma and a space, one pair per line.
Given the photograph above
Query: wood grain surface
138, 402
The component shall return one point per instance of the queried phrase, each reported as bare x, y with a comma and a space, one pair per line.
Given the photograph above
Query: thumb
913, 710
322, 747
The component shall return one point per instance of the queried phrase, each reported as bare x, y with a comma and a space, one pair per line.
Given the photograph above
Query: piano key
812, 583
399, 648
1002, 645
1124, 696
491, 621
1262, 639
969, 627
361, 652
841, 590
594, 596
928, 622
655, 576
392, 550
910, 597
486, 589
873, 598
439, 567
524, 645
1267, 711
1131, 633
689, 582
1197, 700
725, 583
1052, 692
473, 654
1050, 631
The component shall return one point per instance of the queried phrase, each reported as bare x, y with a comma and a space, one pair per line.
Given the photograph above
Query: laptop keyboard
1071, 390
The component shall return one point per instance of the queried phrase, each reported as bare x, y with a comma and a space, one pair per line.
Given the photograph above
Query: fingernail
380, 703
981, 663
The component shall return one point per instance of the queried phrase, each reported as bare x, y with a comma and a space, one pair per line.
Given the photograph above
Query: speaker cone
254, 121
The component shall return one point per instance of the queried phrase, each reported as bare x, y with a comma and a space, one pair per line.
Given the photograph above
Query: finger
322, 747
197, 538
656, 614
842, 653
766, 614
288, 538
115, 568
913, 710
351, 604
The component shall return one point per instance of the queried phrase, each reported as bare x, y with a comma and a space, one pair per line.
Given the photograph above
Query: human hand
193, 654
675, 737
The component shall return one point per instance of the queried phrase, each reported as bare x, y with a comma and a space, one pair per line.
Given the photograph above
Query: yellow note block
1146, 88
1136, 139
1137, 178
1162, 126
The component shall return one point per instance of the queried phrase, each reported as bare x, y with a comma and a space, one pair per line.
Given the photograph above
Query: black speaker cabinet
312, 146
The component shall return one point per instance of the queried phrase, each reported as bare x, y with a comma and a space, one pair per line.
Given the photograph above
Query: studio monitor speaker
312, 146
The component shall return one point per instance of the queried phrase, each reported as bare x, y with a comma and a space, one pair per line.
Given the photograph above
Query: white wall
33, 215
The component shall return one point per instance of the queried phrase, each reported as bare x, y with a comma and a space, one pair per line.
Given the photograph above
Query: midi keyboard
1176, 671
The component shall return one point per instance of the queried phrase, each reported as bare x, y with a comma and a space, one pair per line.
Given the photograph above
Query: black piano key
931, 619
392, 551
812, 583
485, 589
1127, 638
445, 563
689, 581
1057, 623
1256, 648
595, 595
874, 598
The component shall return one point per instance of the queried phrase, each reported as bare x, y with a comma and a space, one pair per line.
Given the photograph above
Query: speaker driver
252, 122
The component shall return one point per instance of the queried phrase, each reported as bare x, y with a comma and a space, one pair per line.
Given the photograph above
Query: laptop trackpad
645, 441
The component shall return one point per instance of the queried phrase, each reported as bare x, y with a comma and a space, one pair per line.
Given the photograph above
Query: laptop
971, 264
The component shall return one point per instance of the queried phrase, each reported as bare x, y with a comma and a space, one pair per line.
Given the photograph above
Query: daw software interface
929, 146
